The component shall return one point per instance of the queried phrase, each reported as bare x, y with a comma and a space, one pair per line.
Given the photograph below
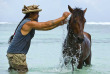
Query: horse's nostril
80, 40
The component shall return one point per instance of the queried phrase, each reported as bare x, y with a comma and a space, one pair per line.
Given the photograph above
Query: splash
71, 60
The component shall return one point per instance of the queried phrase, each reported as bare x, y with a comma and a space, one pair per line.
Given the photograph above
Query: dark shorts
17, 62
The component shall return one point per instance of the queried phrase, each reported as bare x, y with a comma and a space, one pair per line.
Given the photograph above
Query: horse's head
76, 23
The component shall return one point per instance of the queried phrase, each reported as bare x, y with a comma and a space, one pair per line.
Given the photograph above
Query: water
45, 51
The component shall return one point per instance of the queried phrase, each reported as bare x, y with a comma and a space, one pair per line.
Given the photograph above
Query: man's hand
66, 14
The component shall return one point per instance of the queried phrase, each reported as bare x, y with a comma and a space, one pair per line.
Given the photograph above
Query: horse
77, 44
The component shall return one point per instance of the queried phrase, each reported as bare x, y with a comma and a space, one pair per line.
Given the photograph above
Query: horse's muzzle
80, 39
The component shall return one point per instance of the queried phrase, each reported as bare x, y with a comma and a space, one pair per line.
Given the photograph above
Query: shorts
17, 62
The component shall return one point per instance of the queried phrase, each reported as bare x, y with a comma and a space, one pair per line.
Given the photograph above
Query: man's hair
11, 37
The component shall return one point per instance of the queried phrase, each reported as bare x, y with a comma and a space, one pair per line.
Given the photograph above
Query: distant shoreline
89, 23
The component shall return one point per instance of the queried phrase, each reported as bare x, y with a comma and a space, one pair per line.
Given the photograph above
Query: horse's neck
70, 40
71, 34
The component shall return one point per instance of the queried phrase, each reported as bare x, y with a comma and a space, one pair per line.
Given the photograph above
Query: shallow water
45, 51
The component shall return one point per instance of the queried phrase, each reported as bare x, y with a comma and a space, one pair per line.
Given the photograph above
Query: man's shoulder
31, 22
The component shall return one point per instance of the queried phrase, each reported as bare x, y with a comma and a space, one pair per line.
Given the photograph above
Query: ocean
46, 47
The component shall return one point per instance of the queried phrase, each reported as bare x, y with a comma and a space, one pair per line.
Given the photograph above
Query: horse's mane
78, 12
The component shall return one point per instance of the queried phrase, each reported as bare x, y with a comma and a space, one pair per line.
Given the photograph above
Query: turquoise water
45, 51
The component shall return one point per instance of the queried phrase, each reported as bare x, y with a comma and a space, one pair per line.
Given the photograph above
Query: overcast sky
97, 10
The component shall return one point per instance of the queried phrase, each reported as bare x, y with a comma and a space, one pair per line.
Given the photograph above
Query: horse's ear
70, 9
85, 10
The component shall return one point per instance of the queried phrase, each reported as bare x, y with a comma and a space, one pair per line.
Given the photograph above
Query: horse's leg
72, 64
88, 60
65, 55
80, 64
65, 62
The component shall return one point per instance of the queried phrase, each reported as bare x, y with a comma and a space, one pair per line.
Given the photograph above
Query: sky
97, 10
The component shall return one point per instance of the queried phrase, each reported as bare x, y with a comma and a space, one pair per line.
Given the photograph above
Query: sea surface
46, 47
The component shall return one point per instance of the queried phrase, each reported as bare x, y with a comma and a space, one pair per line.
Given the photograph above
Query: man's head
32, 11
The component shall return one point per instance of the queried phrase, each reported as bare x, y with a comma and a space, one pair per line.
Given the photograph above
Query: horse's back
87, 40
88, 35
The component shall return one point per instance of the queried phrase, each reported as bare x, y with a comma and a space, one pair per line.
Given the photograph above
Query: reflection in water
16, 72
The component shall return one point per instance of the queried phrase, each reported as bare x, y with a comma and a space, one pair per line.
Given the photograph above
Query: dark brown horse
77, 45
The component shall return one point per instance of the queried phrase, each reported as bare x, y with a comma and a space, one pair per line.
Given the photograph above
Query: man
20, 41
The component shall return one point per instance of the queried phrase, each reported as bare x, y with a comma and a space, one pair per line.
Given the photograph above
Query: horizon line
106, 23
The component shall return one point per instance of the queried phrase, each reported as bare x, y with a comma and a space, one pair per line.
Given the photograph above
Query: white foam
3, 22
7, 23
92, 23
98, 23
89, 23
